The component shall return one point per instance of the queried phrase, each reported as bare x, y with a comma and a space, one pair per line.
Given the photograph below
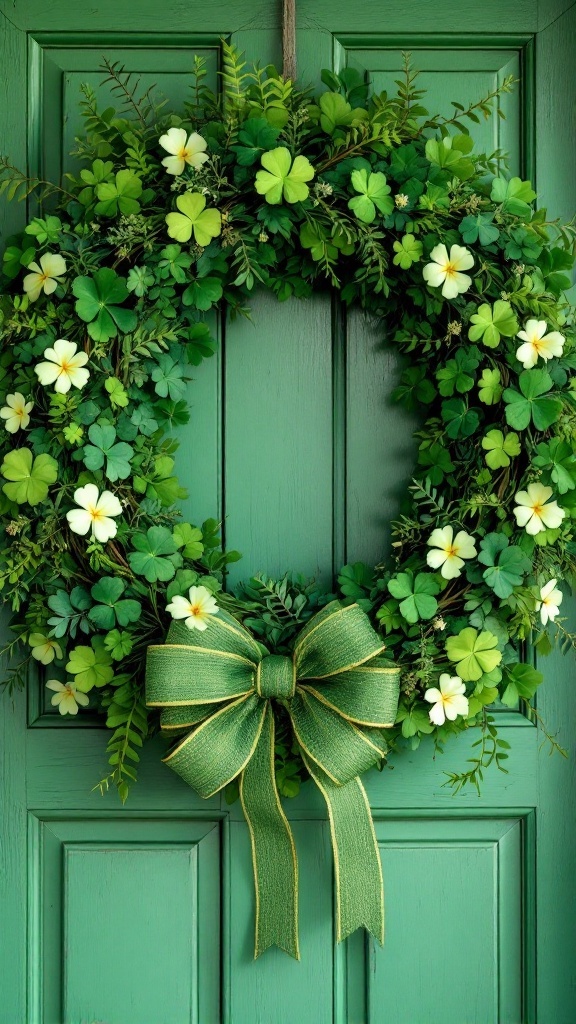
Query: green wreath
102, 316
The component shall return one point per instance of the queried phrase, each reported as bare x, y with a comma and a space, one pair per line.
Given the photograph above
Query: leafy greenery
353, 190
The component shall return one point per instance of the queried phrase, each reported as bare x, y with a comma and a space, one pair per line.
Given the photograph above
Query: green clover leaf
283, 179
416, 595
450, 154
457, 374
116, 392
194, 218
91, 666
29, 480
47, 231
492, 322
515, 196
118, 643
335, 112
149, 558
507, 565
533, 402
478, 227
103, 450
203, 293
111, 608
256, 136
189, 539
408, 251
523, 681
414, 720
374, 195
473, 652
558, 459
98, 299
490, 389
69, 612
501, 448
461, 421
174, 263
436, 461
120, 196
169, 378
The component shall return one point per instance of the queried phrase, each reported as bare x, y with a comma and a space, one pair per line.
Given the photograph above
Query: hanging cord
289, 39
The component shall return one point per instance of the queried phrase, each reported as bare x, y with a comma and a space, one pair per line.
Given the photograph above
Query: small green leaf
490, 323
374, 195
501, 448
474, 653
29, 480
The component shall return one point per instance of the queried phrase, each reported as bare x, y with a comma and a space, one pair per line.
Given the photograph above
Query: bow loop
334, 640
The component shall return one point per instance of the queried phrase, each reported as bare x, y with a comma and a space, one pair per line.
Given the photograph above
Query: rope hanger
289, 39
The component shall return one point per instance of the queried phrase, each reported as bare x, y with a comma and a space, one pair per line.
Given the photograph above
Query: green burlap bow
338, 694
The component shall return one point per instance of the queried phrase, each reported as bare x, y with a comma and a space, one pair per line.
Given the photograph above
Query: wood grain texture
14, 909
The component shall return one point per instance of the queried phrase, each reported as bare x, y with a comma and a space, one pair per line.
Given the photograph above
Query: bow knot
339, 693
276, 677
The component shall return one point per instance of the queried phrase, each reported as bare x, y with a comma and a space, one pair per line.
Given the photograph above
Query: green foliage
350, 189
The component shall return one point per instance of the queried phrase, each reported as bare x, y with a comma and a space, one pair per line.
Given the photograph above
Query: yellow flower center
44, 278
95, 514
451, 552
183, 153
450, 270
537, 509
196, 609
64, 366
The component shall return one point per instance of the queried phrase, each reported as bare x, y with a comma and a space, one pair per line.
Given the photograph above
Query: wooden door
144, 914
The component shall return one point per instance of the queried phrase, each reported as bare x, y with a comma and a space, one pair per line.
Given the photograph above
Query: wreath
102, 318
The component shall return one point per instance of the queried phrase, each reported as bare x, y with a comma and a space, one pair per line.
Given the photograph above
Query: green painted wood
292, 439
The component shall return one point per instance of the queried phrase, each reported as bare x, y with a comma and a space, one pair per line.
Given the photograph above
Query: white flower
67, 697
401, 200
446, 270
65, 367
45, 277
16, 412
449, 551
196, 609
533, 513
448, 701
94, 513
538, 343
44, 648
191, 150
549, 603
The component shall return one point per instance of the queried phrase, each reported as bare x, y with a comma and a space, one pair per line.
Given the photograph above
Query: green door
144, 914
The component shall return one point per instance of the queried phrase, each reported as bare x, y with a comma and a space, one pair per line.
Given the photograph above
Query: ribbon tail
273, 850
357, 866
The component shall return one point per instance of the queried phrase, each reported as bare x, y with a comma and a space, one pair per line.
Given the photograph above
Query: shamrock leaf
507, 565
98, 299
557, 457
501, 448
189, 538
14, 259
29, 479
282, 178
169, 378
200, 343
46, 231
374, 195
478, 227
408, 251
174, 263
523, 681
515, 196
193, 217
416, 596
103, 450
336, 112
160, 484
490, 389
110, 608
119, 196
91, 666
256, 136
117, 393
456, 375
492, 322
473, 652
69, 612
203, 293
414, 720
436, 461
461, 421
533, 402
118, 643
450, 154
415, 388
149, 559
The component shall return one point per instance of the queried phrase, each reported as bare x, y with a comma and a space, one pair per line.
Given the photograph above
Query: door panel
297, 447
